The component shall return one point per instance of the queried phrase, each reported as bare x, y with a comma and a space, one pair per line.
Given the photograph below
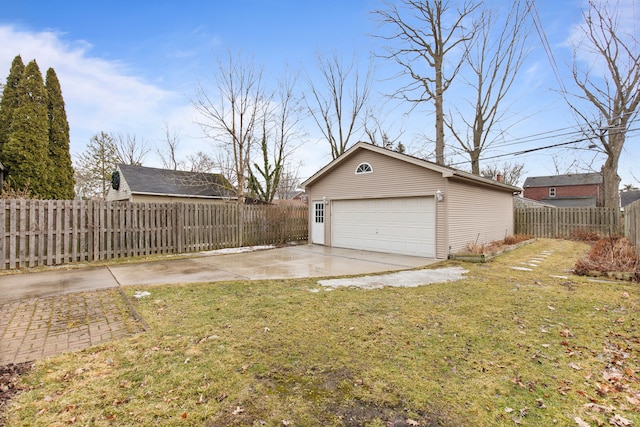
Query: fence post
240, 213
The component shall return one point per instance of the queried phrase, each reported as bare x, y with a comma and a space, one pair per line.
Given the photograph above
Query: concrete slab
170, 271
54, 282
280, 263
310, 261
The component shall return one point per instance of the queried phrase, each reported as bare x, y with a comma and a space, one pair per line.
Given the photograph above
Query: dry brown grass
611, 254
585, 235
496, 245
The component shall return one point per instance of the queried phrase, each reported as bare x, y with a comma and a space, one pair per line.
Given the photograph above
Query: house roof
145, 180
563, 180
525, 202
630, 196
447, 172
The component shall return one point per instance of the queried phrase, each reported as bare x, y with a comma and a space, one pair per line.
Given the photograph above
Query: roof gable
564, 180
145, 180
444, 171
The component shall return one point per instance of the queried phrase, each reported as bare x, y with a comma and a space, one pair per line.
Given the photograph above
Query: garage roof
447, 172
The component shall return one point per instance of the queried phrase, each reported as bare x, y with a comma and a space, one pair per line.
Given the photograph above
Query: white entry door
317, 224
395, 225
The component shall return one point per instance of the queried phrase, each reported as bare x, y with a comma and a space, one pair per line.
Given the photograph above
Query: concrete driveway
281, 263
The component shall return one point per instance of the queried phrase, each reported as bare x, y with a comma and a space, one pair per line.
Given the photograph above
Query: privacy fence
46, 232
632, 223
566, 222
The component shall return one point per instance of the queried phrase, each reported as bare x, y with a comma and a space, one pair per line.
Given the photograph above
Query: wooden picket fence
52, 232
632, 224
565, 222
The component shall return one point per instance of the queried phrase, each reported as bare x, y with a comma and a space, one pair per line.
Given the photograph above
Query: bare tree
289, 181
610, 85
195, 162
201, 162
377, 133
560, 169
495, 57
225, 165
233, 116
431, 45
337, 104
510, 173
129, 149
169, 152
279, 136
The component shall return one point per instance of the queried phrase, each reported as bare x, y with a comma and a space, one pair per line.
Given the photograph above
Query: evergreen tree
9, 100
26, 151
61, 169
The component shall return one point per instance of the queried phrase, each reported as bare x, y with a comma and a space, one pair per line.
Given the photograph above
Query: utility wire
546, 147
545, 44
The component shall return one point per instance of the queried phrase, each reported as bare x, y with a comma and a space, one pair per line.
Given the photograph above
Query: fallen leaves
566, 333
580, 423
619, 421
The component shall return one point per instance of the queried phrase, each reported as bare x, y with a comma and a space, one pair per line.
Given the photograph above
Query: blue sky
130, 67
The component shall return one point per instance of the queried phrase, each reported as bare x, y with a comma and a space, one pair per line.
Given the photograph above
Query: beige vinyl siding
442, 225
477, 213
390, 178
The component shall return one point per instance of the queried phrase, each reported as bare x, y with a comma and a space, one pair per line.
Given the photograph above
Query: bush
611, 254
585, 235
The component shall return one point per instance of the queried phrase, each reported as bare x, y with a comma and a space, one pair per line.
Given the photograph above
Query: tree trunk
610, 171
439, 115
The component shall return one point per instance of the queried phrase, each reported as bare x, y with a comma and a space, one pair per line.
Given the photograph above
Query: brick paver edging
36, 328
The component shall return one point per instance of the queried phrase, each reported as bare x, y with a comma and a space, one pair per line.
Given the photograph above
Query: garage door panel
394, 225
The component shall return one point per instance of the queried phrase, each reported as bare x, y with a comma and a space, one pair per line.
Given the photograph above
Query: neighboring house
371, 198
294, 198
302, 196
628, 197
143, 184
573, 190
522, 202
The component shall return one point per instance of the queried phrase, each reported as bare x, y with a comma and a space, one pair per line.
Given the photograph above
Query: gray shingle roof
563, 180
146, 180
627, 197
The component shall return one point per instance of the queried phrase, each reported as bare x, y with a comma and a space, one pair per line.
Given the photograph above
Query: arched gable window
364, 168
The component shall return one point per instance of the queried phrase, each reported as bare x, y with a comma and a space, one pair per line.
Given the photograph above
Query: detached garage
375, 199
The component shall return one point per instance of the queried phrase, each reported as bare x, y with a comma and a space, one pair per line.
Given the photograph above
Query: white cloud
100, 94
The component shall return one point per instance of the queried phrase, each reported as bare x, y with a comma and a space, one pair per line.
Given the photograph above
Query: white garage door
395, 225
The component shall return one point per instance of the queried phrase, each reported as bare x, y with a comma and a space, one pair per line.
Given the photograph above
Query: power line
545, 44
542, 136
546, 147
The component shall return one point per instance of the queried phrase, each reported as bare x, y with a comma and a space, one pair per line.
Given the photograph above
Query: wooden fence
46, 232
632, 223
565, 222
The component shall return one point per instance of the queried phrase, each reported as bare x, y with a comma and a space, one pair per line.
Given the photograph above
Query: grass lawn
501, 347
